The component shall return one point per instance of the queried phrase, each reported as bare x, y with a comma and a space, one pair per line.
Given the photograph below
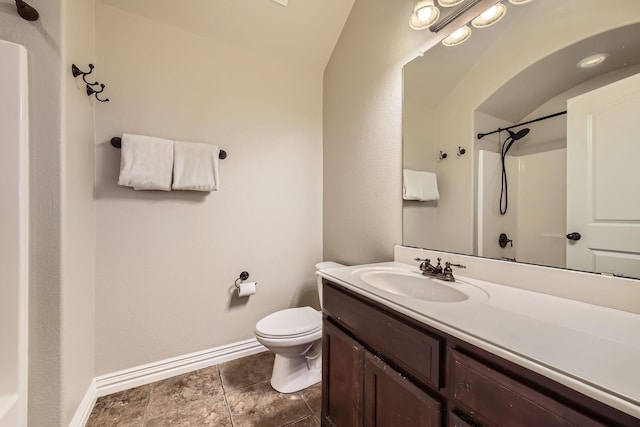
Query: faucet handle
455, 265
425, 264
424, 261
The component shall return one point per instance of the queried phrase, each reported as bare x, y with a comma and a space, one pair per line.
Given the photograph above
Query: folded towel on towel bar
146, 162
195, 166
418, 185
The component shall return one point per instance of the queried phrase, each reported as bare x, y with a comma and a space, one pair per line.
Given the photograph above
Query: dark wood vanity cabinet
343, 378
390, 399
360, 389
382, 368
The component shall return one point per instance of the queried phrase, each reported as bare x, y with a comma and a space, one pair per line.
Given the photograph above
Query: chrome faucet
429, 269
437, 271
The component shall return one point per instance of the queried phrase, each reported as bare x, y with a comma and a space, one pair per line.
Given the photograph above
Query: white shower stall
534, 223
14, 220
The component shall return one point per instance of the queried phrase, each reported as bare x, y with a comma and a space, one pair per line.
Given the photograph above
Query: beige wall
61, 230
362, 132
419, 219
77, 321
166, 262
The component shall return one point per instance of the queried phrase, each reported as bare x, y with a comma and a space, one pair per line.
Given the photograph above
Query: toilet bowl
294, 336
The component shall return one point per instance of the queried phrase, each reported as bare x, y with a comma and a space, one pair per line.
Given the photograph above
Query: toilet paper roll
246, 289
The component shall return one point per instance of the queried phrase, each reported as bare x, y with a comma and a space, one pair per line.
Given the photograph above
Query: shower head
26, 11
513, 137
518, 135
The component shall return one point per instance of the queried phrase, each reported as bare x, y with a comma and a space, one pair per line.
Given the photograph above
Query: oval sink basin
414, 285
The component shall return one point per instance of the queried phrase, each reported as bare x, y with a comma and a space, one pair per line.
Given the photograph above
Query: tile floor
232, 394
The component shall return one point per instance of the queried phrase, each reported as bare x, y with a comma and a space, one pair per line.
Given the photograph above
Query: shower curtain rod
482, 135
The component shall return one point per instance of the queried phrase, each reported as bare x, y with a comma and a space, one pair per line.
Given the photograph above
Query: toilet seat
290, 323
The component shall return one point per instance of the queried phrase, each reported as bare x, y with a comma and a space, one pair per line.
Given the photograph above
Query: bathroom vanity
393, 358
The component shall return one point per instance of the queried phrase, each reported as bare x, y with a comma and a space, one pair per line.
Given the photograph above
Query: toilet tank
323, 266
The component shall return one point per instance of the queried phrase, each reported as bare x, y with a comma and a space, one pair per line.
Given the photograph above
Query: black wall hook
92, 91
90, 86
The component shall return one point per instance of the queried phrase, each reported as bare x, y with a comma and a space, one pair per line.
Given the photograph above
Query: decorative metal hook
461, 151
442, 155
92, 91
76, 72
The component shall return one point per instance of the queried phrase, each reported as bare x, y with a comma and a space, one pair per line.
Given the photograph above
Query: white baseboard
83, 412
151, 372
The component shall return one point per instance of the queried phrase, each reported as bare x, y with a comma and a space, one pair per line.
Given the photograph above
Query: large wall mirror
556, 179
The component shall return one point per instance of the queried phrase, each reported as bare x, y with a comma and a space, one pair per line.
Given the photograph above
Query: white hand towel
195, 166
421, 186
146, 162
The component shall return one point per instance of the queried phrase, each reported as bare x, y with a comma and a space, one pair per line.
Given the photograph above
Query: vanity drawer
503, 400
456, 420
411, 349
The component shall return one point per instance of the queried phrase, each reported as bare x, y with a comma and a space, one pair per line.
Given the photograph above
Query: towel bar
117, 142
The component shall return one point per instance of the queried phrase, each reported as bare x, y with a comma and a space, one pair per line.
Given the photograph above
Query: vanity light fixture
593, 60
490, 16
458, 36
449, 3
424, 14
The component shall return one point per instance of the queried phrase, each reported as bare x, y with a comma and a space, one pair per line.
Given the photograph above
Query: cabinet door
342, 370
390, 400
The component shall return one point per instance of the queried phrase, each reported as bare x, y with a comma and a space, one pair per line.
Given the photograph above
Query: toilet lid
291, 322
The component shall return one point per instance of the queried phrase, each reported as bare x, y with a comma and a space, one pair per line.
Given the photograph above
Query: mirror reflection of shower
535, 163
506, 146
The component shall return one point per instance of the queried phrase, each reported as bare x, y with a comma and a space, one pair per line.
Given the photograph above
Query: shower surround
14, 220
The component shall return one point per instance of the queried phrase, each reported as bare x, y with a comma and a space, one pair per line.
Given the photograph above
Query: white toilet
294, 336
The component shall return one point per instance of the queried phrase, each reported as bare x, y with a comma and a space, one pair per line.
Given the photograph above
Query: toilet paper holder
243, 276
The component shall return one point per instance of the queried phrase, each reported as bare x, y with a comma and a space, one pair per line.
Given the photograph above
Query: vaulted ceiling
303, 31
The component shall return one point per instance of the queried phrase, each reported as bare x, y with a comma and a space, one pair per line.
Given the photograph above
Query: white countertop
594, 350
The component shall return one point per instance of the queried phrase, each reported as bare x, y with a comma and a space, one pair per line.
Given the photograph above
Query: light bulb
457, 34
489, 13
424, 14
490, 16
